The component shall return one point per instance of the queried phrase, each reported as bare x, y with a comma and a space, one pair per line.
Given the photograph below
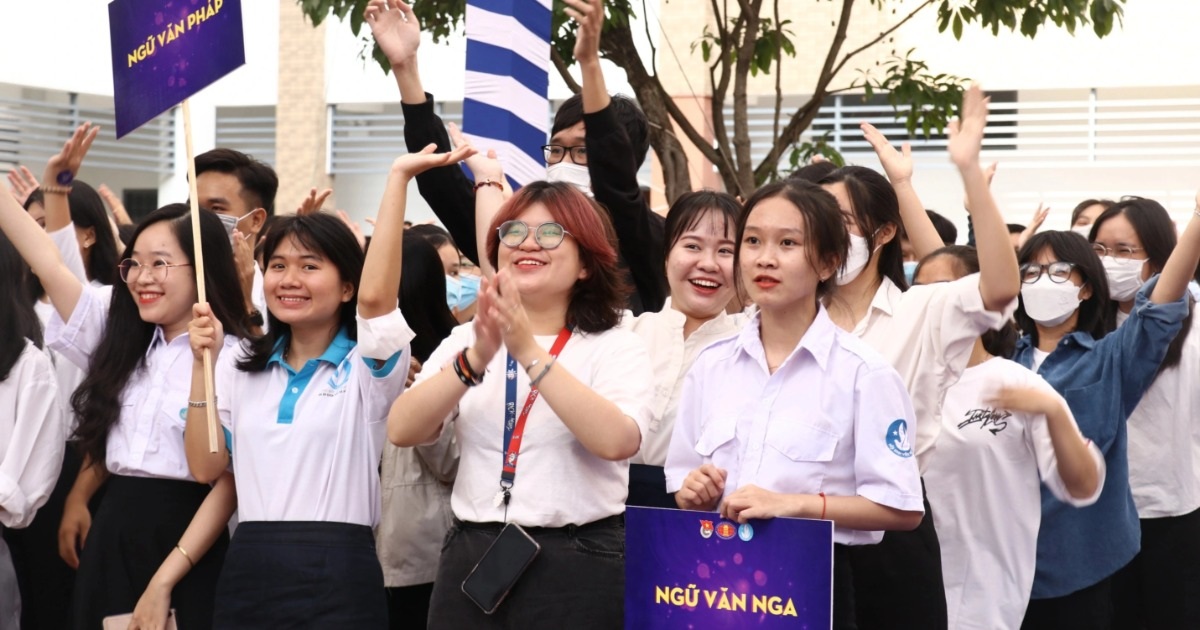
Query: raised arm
60, 172
613, 165
491, 192
447, 190
39, 252
1181, 266
381, 275
1081, 471
999, 280
204, 333
899, 168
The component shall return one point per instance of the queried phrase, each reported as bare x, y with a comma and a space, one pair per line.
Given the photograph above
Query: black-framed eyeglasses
1120, 252
554, 153
130, 269
1059, 272
547, 235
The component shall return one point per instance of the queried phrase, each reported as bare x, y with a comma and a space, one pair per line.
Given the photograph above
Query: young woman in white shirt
700, 231
545, 325
927, 334
147, 544
738, 444
1005, 431
303, 409
32, 426
78, 223
1159, 588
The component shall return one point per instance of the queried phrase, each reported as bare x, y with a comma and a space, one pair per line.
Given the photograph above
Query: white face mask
857, 259
232, 223
572, 174
1083, 230
1124, 277
1050, 303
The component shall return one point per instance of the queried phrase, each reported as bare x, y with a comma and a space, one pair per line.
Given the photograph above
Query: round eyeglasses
130, 269
547, 235
1059, 272
1120, 252
554, 153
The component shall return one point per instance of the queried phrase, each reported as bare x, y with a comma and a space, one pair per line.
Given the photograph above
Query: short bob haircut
826, 238
326, 235
1157, 232
875, 205
597, 301
1096, 314
690, 208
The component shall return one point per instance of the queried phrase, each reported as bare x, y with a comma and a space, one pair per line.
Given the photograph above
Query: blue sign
687, 569
164, 51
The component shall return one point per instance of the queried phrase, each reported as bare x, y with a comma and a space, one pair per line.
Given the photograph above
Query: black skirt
136, 528
298, 574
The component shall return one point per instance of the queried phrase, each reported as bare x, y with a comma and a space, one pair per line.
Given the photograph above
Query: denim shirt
1102, 382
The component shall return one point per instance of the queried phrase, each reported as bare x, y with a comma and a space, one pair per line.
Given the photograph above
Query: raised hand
484, 166
1039, 217
413, 164
897, 164
61, 168
589, 15
120, 214
205, 331
243, 261
701, 489
488, 337
510, 315
311, 204
355, 228
396, 30
22, 182
966, 132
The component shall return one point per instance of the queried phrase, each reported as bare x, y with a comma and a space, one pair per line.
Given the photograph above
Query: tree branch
649, 39
878, 39
564, 71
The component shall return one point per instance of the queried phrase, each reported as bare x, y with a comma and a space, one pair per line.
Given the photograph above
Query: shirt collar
817, 340
1080, 338
333, 355
677, 319
886, 296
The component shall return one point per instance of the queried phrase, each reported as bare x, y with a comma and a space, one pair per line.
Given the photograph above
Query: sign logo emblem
745, 532
725, 530
706, 529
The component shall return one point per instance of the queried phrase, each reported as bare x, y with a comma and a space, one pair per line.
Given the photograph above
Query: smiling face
541, 273
304, 289
776, 266
700, 267
164, 294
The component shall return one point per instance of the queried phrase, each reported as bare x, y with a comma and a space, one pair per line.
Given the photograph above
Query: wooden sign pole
198, 257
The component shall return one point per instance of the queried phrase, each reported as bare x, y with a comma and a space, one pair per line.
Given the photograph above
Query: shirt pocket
797, 458
714, 436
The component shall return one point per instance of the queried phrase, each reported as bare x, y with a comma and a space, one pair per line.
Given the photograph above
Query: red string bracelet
822, 495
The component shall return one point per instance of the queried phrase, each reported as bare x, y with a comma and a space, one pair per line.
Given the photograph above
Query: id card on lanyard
514, 425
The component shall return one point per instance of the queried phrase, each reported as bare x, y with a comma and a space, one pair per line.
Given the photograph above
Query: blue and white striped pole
505, 106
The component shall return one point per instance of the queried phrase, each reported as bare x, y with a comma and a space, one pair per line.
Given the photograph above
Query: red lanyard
514, 426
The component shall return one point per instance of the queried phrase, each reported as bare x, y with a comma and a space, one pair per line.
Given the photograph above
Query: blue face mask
910, 269
461, 292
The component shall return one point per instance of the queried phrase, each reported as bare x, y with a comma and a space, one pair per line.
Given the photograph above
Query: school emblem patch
706, 529
726, 530
897, 439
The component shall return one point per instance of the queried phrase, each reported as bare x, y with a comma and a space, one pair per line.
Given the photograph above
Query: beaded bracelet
489, 182
51, 189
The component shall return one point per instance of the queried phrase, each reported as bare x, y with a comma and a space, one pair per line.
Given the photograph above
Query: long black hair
127, 337
1157, 232
326, 235
687, 211
1096, 314
87, 211
423, 296
17, 318
875, 206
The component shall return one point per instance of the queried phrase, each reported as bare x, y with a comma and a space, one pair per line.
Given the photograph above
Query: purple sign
164, 51
688, 569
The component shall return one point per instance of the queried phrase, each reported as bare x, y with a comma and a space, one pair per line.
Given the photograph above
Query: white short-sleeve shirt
32, 437
558, 481
671, 356
147, 440
927, 334
984, 485
306, 444
834, 418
